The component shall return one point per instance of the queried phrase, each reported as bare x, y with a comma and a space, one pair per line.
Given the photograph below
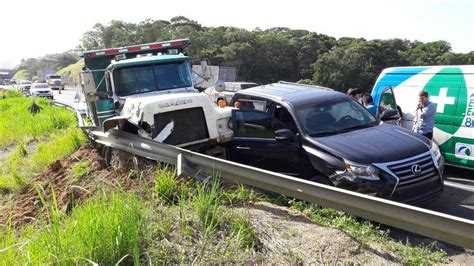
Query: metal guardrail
444, 227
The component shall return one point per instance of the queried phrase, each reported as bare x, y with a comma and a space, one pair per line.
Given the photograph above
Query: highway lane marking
456, 185
460, 180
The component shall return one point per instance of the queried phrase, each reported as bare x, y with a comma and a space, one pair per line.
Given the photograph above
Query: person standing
355, 94
369, 104
425, 116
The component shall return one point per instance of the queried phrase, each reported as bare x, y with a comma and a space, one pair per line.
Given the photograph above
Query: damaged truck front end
151, 94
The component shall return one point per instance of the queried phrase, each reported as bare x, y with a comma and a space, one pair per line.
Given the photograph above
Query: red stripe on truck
156, 45
177, 43
113, 51
133, 49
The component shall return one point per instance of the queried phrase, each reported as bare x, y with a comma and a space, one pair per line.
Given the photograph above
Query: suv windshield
54, 77
141, 79
334, 117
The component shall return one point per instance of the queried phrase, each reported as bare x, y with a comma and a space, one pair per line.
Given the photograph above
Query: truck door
387, 104
100, 104
259, 140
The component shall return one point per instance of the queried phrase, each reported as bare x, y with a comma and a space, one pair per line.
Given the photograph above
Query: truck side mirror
220, 85
284, 136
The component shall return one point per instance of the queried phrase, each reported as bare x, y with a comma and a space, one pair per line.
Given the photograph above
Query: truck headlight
362, 171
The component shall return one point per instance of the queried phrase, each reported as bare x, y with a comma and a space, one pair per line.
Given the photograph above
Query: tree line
280, 53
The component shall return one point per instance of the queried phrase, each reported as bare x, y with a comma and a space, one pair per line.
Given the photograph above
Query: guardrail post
184, 167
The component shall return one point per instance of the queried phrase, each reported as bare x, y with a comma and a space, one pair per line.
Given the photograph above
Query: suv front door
257, 142
387, 103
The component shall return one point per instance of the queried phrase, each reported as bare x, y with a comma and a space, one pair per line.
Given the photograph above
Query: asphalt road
457, 198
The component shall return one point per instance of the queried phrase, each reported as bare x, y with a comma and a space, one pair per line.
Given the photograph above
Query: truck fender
113, 122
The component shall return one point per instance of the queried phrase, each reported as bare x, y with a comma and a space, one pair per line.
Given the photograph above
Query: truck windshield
333, 117
141, 79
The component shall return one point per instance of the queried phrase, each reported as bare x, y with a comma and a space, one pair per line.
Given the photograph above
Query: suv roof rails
304, 85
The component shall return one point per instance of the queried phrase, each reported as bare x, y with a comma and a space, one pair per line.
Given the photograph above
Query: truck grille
189, 126
414, 170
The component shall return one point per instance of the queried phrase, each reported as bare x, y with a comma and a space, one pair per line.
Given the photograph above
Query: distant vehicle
41, 90
325, 136
43, 73
230, 89
54, 81
5, 78
23, 86
450, 88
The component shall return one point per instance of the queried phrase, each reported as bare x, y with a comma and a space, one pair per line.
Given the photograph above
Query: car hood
379, 144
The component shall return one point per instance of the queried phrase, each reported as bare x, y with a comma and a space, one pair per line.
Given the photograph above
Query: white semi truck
148, 90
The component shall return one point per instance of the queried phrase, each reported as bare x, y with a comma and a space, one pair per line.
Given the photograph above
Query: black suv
322, 135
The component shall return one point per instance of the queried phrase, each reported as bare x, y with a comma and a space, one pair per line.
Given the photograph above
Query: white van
451, 89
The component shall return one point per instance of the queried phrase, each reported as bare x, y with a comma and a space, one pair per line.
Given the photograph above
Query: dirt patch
27, 206
4, 153
290, 237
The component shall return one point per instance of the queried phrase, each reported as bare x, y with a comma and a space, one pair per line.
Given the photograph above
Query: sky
35, 28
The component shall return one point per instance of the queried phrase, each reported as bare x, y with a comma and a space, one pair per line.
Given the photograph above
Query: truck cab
54, 81
148, 90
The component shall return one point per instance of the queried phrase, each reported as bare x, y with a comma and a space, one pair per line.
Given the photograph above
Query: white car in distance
41, 90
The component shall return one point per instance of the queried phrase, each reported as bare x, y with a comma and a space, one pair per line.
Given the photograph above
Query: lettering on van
469, 122
470, 106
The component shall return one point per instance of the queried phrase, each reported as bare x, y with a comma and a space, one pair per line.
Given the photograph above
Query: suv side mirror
389, 115
284, 135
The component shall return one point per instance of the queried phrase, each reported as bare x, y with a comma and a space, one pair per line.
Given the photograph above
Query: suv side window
255, 124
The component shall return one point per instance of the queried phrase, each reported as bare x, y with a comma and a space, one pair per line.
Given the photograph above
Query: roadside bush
10, 94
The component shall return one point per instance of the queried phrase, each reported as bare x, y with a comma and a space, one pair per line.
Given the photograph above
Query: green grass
105, 230
19, 167
18, 124
167, 187
10, 94
80, 170
36, 139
